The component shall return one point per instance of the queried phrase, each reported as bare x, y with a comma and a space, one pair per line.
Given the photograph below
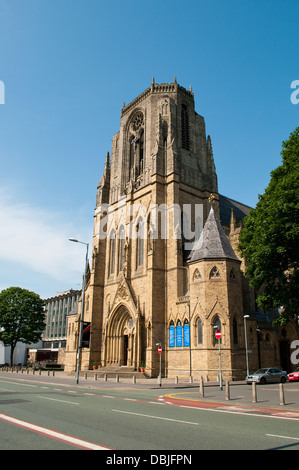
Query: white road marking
53, 434
56, 399
283, 437
155, 417
18, 383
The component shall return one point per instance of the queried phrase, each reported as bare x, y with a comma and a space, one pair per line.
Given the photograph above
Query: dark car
267, 375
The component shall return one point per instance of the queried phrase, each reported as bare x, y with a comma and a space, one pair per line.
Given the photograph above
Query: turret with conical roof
213, 242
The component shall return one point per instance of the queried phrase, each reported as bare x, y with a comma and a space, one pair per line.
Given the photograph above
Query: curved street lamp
82, 309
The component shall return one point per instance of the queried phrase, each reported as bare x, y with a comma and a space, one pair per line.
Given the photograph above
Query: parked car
267, 375
293, 376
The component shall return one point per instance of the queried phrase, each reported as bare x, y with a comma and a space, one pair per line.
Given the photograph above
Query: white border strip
53, 434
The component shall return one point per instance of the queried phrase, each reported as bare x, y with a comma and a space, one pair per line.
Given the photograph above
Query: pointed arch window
141, 151
214, 273
121, 248
185, 127
112, 253
196, 275
232, 275
131, 157
199, 331
140, 243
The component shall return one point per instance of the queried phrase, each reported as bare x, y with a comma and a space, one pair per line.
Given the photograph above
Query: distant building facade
144, 288
57, 310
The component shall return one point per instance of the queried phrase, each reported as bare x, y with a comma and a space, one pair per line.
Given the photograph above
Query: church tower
165, 268
152, 201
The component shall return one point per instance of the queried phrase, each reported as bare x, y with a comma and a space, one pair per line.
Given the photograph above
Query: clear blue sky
68, 66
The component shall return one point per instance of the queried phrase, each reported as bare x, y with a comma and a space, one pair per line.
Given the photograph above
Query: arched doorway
121, 339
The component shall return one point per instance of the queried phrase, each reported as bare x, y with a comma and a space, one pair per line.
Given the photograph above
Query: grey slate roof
226, 206
213, 242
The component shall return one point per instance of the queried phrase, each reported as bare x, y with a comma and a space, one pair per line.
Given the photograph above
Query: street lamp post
246, 349
82, 309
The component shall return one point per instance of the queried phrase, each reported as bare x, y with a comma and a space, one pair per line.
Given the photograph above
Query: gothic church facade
147, 288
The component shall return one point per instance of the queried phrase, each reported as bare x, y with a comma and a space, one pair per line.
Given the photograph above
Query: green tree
269, 239
21, 317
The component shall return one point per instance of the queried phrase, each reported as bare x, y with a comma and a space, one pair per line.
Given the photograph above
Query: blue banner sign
171, 336
186, 335
179, 336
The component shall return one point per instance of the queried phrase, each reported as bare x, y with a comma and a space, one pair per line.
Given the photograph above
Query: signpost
160, 353
218, 337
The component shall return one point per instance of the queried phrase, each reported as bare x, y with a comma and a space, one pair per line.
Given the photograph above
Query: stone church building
165, 268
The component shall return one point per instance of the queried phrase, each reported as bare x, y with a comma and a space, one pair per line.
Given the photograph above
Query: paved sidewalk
269, 400
240, 397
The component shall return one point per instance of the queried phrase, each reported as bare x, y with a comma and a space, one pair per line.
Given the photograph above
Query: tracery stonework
137, 121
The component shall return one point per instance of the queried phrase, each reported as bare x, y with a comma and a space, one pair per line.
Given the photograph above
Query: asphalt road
41, 414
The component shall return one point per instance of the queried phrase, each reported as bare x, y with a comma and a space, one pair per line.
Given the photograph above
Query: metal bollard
254, 400
85, 375
281, 394
117, 378
176, 380
95, 376
201, 387
105, 377
134, 379
227, 390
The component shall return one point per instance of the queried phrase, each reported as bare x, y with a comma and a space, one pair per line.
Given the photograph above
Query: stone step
113, 371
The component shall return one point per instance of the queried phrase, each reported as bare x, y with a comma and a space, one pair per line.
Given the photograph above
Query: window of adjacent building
185, 128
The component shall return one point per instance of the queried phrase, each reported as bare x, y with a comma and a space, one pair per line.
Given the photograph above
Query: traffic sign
218, 334
160, 349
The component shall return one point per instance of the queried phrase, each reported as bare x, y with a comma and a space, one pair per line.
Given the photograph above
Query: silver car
270, 374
